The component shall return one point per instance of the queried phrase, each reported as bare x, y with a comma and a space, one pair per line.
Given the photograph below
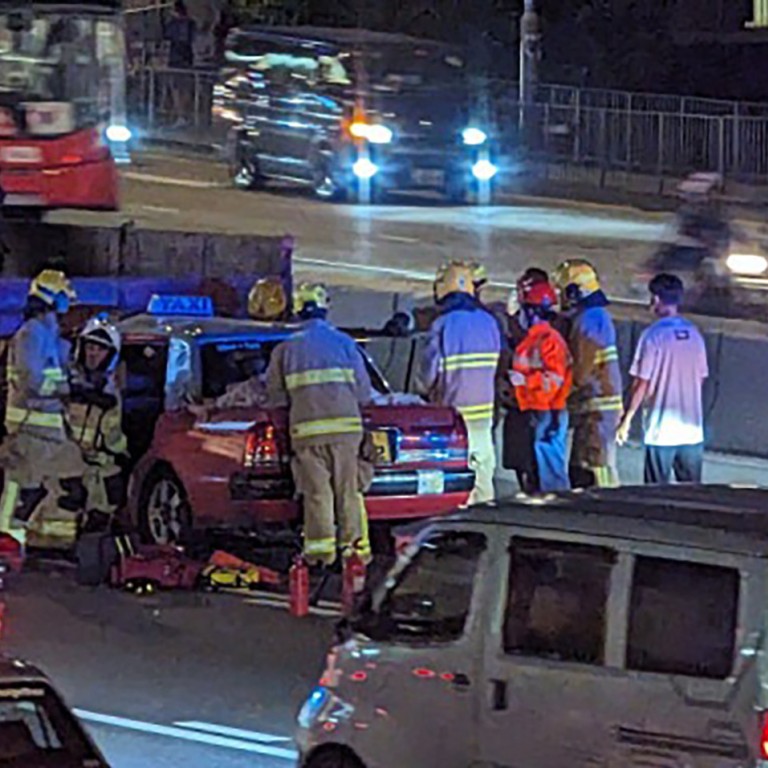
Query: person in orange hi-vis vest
541, 375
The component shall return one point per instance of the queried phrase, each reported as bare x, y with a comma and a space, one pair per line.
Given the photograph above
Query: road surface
171, 680
395, 245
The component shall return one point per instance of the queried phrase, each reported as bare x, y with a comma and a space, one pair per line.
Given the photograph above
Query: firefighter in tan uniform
38, 457
94, 415
321, 375
595, 404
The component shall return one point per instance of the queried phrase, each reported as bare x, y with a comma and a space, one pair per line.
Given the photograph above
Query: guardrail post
629, 134
151, 99
721, 147
577, 124
603, 145
736, 140
660, 148
197, 99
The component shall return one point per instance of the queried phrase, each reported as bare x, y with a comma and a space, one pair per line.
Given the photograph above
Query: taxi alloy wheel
324, 185
165, 517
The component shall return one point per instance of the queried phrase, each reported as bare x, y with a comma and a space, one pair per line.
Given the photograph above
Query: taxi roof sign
189, 306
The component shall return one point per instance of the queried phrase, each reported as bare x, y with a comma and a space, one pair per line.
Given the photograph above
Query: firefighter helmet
479, 276
54, 289
99, 330
309, 296
539, 294
267, 299
455, 277
576, 279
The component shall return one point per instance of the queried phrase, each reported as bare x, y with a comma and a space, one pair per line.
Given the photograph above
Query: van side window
429, 600
556, 602
682, 618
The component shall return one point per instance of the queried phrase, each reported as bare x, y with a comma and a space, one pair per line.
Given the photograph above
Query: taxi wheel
243, 167
165, 516
333, 758
324, 185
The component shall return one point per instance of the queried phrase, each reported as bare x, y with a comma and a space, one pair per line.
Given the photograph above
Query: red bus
62, 104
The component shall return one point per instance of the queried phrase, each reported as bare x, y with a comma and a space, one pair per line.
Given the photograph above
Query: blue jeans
550, 433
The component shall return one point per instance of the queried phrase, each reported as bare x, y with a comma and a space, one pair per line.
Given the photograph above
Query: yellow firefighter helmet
267, 299
53, 288
576, 279
310, 294
456, 277
479, 276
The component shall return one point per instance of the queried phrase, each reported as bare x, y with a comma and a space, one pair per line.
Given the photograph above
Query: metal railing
611, 130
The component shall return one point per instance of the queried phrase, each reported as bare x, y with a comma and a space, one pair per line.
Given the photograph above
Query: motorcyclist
94, 415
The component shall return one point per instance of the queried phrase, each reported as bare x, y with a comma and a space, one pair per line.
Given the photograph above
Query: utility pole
530, 55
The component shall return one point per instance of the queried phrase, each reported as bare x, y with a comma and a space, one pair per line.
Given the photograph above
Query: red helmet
538, 295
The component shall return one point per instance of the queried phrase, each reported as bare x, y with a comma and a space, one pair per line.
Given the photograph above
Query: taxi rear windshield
37, 730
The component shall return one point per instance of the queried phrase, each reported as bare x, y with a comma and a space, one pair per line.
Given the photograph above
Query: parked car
336, 110
609, 627
231, 469
37, 730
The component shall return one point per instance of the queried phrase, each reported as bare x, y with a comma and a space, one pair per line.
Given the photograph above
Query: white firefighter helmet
99, 330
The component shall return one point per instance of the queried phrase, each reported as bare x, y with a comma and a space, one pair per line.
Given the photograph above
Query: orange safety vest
543, 358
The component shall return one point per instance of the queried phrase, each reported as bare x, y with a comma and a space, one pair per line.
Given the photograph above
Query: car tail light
764, 735
261, 447
11, 552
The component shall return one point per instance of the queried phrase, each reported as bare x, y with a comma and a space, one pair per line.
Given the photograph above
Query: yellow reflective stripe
33, 418
607, 355
476, 412
320, 546
52, 378
320, 376
471, 360
607, 403
338, 426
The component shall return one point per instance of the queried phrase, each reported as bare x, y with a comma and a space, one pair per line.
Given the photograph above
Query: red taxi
232, 468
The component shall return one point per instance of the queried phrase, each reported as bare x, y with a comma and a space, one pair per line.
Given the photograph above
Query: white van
603, 629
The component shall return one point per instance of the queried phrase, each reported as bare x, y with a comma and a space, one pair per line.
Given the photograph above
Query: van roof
715, 517
342, 37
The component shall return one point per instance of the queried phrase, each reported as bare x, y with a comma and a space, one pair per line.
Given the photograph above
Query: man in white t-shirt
668, 372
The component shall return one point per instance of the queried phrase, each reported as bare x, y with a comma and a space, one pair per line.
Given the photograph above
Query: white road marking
159, 209
171, 181
235, 733
324, 608
399, 239
173, 732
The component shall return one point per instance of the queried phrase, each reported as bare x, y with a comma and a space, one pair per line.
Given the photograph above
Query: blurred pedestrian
595, 403
668, 371
180, 33
517, 439
541, 376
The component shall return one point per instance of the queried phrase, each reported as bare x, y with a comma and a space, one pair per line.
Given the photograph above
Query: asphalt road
175, 679
398, 246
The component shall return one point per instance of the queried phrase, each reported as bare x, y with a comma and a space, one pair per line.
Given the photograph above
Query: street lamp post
530, 55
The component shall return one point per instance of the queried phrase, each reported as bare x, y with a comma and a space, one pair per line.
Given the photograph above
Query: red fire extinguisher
353, 581
298, 581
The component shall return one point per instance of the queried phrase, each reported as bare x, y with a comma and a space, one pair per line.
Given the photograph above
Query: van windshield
396, 67
426, 599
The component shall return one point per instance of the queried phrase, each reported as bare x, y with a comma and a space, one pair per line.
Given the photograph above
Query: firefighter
458, 367
595, 404
94, 415
321, 375
541, 376
38, 456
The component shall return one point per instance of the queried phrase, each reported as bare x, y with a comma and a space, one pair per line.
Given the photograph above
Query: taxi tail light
764, 735
261, 447
459, 436
11, 552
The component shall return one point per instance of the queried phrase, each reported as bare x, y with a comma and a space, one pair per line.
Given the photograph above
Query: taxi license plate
383, 447
21, 155
431, 482
425, 177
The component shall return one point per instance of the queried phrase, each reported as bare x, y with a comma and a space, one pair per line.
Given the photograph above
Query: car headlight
374, 133
747, 263
474, 137
313, 707
119, 134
